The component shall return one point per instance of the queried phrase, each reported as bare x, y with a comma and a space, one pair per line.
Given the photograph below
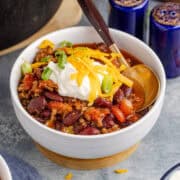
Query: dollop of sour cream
175, 175
67, 86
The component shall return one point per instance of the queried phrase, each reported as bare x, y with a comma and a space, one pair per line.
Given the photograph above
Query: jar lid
167, 14
128, 3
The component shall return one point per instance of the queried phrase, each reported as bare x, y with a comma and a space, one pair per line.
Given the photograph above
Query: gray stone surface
157, 152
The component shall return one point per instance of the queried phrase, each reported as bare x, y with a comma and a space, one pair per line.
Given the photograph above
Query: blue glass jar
130, 19
165, 37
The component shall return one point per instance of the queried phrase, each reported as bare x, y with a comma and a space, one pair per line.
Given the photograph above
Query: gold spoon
146, 83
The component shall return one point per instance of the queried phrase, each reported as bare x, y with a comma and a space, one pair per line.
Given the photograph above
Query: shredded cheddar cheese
120, 171
68, 176
92, 63
38, 64
83, 59
46, 43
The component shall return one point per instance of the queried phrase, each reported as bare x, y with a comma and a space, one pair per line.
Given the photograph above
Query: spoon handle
96, 20
98, 23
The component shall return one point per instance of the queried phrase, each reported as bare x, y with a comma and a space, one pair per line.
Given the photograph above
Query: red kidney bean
46, 113
118, 96
53, 96
41, 120
101, 102
127, 90
90, 131
78, 128
36, 105
71, 118
108, 121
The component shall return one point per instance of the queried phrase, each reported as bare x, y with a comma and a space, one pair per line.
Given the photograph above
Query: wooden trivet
86, 164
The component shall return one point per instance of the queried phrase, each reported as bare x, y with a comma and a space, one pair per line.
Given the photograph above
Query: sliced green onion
58, 53
65, 44
26, 67
45, 59
46, 73
107, 84
62, 59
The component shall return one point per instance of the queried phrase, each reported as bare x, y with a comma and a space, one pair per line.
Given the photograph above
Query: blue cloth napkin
20, 170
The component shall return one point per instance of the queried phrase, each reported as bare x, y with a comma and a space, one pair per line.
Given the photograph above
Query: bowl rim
160, 96
5, 168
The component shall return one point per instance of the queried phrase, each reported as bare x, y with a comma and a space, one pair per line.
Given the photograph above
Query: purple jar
165, 36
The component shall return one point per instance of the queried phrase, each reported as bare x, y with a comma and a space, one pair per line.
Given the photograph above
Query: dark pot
20, 19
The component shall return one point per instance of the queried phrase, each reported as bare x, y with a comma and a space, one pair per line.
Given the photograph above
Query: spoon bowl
145, 82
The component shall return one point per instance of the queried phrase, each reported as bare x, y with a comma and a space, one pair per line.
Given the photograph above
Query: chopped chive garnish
61, 58
46, 73
26, 67
65, 44
45, 59
107, 84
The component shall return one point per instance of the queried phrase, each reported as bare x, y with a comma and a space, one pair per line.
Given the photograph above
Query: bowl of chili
70, 95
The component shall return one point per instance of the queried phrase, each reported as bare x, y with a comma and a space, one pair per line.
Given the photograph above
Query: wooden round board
61, 19
86, 164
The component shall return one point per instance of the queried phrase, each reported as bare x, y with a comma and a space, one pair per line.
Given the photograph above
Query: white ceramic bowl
5, 173
89, 146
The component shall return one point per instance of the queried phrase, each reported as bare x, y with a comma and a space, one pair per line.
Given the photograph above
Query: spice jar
129, 16
165, 36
